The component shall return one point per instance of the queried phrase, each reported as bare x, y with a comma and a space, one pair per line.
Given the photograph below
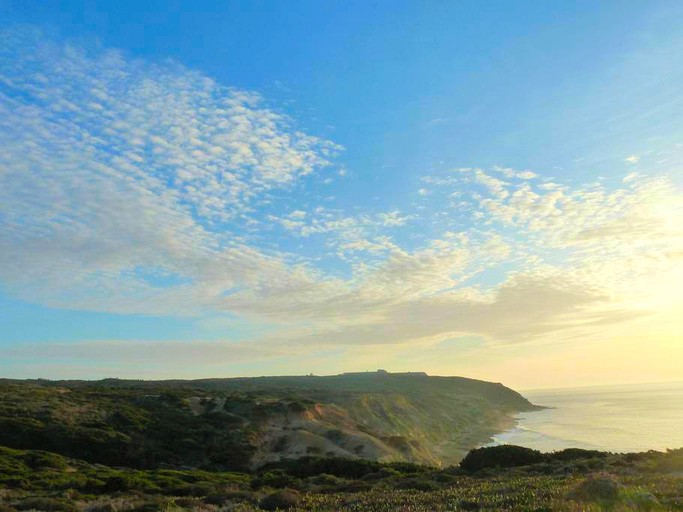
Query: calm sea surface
622, 419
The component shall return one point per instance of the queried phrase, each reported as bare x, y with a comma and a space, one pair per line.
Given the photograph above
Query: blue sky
269, 187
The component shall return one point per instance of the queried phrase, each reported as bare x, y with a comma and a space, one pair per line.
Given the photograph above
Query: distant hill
243, 423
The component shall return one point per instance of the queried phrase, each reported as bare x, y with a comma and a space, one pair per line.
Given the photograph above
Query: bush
127, 482
356, 486
312, 466
570, 454
382, 474
641, 500
229, 496
408, 467
399, 443
325, 479
281, 500
274, 478
335, 435
154, 504
188, 502
40, 459
45, 504
503, 456
281, 444
671, 461
600, 488
417, 484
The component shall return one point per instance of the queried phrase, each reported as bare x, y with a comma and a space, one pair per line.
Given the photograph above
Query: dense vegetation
568, 480
122, 427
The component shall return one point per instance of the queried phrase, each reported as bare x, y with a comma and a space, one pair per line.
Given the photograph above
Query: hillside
505, 478
244, 423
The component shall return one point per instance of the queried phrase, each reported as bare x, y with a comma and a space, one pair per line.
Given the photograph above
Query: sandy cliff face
384, 417
324, 430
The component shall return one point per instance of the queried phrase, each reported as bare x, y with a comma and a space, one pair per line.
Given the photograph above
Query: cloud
612, 237
147, 188
393, 218
513, 173
156, 124
346, 234
521, 310
122, 352
114, 169
633, 159
437, 121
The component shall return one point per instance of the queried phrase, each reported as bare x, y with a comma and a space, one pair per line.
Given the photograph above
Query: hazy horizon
195, 191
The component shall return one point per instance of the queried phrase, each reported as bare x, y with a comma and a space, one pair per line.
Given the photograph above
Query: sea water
613, 418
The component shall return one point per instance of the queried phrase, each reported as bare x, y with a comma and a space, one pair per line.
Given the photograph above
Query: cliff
242, 423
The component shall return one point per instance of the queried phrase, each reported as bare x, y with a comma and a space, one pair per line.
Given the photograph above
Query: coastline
624, 419
453, 451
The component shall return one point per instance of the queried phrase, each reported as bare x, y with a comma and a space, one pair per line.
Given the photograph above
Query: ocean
629, 418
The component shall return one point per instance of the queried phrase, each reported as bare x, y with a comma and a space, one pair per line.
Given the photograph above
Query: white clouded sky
137, 186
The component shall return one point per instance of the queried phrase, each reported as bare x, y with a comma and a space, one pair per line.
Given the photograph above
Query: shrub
418, 484
102, 506
570, 454
335, 435
126, 482
356, 486
399, 443
274, 478
40, 459
468, 505
408, 467
45, 504
598, 488
155, 504
229, 496
337, 466
281, 444
503, 456
671, 461
188, 502
281, 500
297, 406
444, 478
641, 499
325, 479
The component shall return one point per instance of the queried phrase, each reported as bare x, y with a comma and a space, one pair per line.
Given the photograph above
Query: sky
214, 189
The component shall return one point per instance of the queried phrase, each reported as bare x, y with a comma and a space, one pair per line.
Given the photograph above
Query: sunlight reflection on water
620, 419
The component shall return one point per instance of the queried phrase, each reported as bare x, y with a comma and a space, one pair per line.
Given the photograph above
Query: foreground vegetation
499, 478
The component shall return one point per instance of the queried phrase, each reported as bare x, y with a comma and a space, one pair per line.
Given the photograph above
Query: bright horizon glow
191, 194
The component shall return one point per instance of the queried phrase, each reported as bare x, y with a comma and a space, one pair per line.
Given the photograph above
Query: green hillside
244, 423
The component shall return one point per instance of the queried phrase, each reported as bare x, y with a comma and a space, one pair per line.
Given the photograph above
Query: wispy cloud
126, 186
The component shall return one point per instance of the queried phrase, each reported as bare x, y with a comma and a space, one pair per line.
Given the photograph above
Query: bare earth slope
248, 422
